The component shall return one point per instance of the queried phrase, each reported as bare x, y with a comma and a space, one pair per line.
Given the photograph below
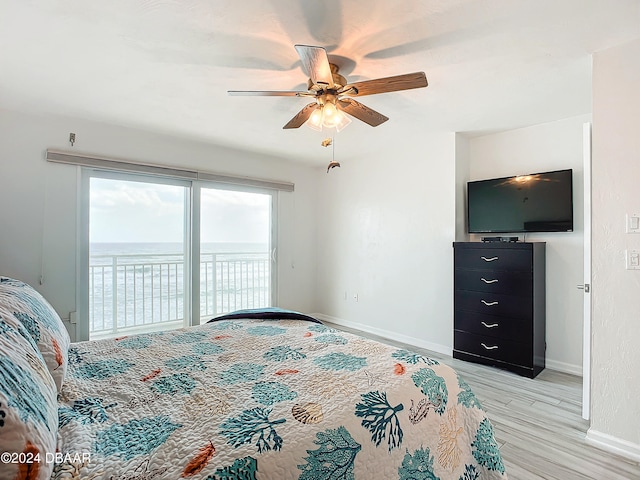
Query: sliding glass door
235, 250
159, 253
138, 255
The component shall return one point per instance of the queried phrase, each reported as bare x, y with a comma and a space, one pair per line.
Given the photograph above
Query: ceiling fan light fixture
330, 111
315, 120
343, 121
328, 115
334, 118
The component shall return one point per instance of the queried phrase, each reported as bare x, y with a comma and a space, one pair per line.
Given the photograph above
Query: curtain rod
104, 163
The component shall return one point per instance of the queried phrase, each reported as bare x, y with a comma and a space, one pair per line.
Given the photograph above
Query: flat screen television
540, 202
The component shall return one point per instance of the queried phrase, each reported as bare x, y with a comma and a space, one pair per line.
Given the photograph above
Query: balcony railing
129, 293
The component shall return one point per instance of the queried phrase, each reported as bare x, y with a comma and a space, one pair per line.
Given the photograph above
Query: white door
586, 342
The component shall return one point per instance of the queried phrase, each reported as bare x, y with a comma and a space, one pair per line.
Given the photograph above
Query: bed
254, 395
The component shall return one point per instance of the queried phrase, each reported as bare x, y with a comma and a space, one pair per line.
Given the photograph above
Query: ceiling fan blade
266, 93
302, 116
361, 112
384, 85
315, 63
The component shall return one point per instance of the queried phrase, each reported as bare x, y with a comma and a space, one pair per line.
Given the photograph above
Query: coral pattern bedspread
279, 399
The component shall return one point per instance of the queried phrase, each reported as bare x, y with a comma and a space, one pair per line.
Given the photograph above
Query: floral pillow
23, 303
28, 408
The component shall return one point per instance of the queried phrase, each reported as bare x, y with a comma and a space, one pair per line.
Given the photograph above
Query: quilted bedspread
255, 399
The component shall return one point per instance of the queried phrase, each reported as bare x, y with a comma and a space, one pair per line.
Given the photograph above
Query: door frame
586, 337
196, 212
83, 238
192, 237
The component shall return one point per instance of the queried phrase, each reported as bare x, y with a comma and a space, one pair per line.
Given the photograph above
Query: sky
126, 211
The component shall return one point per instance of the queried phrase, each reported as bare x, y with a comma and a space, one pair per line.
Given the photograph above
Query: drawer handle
489, 259
495, 280
490, 326
489, 304
493, 347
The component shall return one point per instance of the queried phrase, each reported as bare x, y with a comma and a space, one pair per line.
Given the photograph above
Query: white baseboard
613, 444
564, 367
434, 347
398, 337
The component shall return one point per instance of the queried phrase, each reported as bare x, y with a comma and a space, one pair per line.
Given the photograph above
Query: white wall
463, 157
615, 369
386, 223
551, 146
39, 200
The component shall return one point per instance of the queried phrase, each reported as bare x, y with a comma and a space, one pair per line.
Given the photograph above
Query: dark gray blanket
267, 313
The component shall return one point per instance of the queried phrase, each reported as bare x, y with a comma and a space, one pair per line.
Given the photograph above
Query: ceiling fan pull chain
333, 163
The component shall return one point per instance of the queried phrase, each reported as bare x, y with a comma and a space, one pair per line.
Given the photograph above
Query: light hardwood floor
537, 423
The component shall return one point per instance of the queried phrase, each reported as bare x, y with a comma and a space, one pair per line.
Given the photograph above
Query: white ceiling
166, 65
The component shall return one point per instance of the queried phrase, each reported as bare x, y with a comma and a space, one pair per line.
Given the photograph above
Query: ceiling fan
332, 94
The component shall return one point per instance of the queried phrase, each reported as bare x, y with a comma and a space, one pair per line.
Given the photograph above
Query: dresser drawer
493, 259
494, 304
504, 328
496, 281
506, 351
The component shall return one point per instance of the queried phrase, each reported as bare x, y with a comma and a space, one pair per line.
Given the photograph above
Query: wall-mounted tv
540, 202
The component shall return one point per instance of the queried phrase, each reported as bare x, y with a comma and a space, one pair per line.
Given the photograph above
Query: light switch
633, 259
633, 223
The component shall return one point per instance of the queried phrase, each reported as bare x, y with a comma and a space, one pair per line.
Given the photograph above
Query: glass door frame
196, 211
191, 230
83, 245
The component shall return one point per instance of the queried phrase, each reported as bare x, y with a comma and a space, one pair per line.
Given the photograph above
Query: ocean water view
159, 248
138, 285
